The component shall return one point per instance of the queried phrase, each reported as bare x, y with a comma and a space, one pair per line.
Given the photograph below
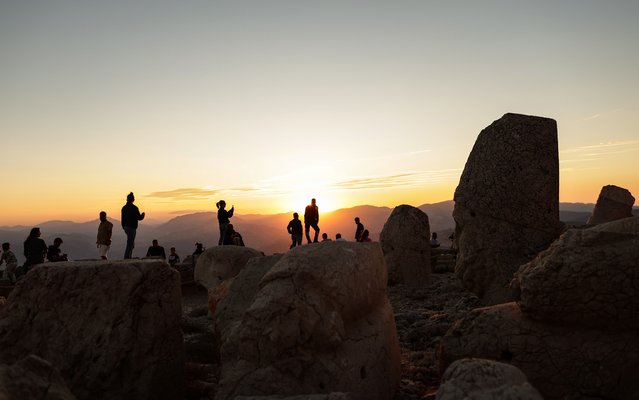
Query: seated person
233, 238
433, 241
54, 253
156, 250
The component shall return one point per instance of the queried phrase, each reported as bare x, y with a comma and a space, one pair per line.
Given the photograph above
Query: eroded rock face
507, 203
319, 323
587, 277
112, 329
32, 378
405, 241
474, 378
559, 360
219, 263
614, 203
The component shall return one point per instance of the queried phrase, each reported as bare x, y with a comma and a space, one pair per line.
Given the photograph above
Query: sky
267, 104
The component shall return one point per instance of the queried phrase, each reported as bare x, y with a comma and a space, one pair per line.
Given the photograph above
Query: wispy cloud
409, 179
185, 194
199, 193
599, 151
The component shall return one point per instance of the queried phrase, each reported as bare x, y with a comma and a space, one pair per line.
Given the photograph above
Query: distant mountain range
263, 232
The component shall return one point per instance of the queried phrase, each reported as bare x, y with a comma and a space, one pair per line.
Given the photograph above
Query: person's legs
103, 250
222, 234
130, 242
307, 227
317, 231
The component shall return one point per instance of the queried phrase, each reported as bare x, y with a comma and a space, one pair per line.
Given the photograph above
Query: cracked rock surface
405, 241
506, 203
220, 263
320, 322
474, 378
32, 378
614, 203
112, 329
587, 277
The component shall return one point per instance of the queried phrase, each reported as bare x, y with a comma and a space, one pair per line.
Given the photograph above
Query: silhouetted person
173, 257
155, 250
11, 260
311, 219
199, 249
54, 253
339, 238
130, 217
359, 230
232, 237
223, 218
433, 240
296, 231
325, 237
34, 249
365, 236
105, 231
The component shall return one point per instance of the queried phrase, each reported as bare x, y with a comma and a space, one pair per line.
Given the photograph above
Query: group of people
36, 250
311, 220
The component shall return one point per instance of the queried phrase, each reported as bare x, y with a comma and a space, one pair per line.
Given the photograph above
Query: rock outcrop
559, 360
320, 322
405, 241
575, 329
32, 378
588, 277
474, 378
613, 203
219, 263
112, 329
507, 203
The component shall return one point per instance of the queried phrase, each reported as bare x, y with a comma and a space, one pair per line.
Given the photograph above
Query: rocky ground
423, 315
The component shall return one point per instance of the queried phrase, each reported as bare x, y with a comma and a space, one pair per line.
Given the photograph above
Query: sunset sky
268, 103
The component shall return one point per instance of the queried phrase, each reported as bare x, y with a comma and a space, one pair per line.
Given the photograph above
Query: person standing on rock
359, 230
105, 231
174, 258
35, 250
311, 219
224, 219
130, 217
296, 231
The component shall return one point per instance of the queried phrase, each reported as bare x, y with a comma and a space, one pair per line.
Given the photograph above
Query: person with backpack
296, 231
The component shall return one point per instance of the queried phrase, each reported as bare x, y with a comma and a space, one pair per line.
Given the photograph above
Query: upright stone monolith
405, 241
614, 203
507, 203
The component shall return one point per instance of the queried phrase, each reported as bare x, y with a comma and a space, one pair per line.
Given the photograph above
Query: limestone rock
507, 203
330, 396
241, 294
219, 263
320, 323
587, 277
32, 378
613, 203
473, 378
559, 360
405, 241
112, 329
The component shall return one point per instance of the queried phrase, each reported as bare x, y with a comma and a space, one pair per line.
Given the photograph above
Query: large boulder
588, 277
614, 202
507, 203
319, 323
220, 263
405, 241
476, 378
112, 329
559, 360
240, 296
32, 378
